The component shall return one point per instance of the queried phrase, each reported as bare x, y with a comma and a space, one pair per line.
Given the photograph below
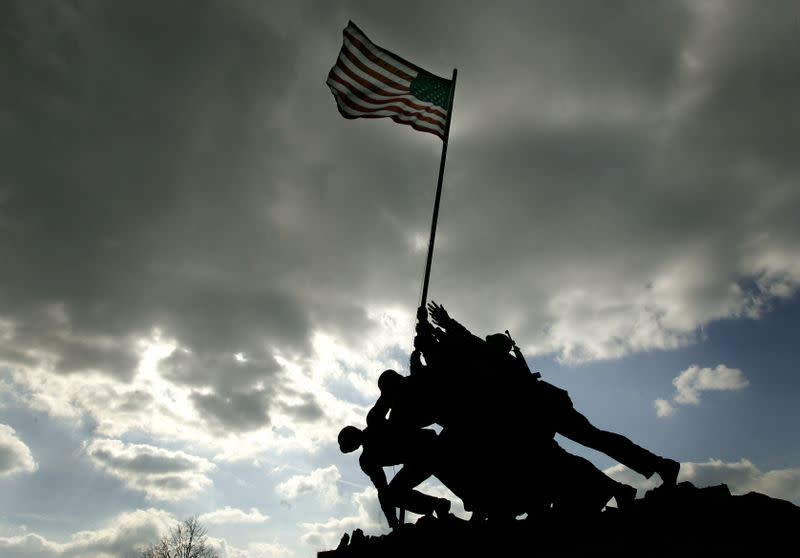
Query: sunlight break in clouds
300, 413
689, 383
119, 407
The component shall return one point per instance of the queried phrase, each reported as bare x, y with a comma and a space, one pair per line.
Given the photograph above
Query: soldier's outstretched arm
453, 328
439, 315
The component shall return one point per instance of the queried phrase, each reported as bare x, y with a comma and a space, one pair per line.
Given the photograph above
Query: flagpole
435, 218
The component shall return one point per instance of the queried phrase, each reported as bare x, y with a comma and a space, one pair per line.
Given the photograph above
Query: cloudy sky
205, 267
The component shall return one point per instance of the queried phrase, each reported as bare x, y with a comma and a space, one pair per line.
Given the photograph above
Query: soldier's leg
577, 428
401, 490
583, 488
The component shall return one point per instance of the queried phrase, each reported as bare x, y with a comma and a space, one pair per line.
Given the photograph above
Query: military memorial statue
472, 414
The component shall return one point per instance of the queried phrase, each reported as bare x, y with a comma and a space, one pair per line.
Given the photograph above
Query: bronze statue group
496, 449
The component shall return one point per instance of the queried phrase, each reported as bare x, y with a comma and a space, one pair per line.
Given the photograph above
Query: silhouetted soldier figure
560, 415
472, 451
471, 459
413, 448
409, 401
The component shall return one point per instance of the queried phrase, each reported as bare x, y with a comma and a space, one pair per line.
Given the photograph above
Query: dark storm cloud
392, 197
243, 390
234, 411
221, 371
129, 197
183, 167
242, 410
613, 152
171, 483
751, 80
143, 462
619, 175
159, 473
45, 337
307, 411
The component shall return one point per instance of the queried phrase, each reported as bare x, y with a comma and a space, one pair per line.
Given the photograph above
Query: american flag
368, 81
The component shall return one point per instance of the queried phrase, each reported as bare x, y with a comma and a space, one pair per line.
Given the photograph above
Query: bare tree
188, 539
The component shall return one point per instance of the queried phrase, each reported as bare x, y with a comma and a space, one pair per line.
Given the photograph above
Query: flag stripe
370, 82
367, 65
347, 88
365, 79
389, 111
356, 83
394, 107
368, 105
391, 58
374, 75
377, 57
345, 111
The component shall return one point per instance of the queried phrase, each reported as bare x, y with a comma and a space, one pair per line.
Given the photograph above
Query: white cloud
611, 319
30, 544
321, 482
741, 477
232, 515
160, 473
127, 534
367, 517
663, 407
694, 380
15, 456
120, 407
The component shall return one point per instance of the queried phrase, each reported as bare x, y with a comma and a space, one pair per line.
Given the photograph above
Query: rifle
518, 354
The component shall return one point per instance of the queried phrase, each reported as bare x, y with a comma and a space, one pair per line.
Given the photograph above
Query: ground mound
679, 521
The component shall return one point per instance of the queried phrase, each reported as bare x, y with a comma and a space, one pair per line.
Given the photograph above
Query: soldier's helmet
389, 380
349, 439
500, 341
